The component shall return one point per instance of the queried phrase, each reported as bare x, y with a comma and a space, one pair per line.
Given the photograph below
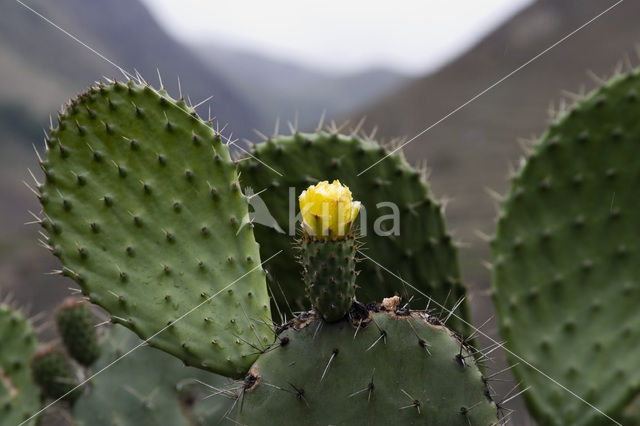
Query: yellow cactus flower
328, 210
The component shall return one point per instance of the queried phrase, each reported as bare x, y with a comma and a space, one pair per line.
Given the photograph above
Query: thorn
261, 135
515, 396
203, 102
415, 403
456, 306
383, 335
504, 370
358, 127
333, 355
160, 78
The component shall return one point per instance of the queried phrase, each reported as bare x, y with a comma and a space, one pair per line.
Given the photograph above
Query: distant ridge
471, 151
42, 67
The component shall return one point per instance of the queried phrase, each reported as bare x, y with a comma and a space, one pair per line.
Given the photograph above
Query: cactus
383, 365
144, 209
565, 260
328, 248
422, 253
148, 387
53, 372
19, 395
75, 325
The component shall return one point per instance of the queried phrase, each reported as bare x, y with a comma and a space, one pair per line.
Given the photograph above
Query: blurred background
403, 66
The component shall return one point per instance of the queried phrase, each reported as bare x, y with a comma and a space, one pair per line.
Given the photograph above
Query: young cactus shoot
328, 247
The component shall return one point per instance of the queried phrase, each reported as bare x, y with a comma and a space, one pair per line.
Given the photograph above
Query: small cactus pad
422, 253
53, 372
387, 367
144, 209
19, 395
147, 388
76, 327
329, 273
566, 260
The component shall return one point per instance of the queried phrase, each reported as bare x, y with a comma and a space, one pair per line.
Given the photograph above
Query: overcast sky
341, 35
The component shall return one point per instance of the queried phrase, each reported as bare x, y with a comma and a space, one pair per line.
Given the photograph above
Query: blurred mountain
472, 149
42, 67
280, 89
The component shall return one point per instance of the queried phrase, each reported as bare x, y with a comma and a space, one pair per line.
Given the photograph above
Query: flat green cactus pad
144, 209
19, 395
377, 368
566, 265
148, 388
421, 253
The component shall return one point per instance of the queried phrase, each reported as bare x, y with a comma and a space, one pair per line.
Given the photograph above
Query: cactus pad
422, 253
19, 395
53, 372
144, 209
566, 270
329, 273
76, 327
387, 367
147, 387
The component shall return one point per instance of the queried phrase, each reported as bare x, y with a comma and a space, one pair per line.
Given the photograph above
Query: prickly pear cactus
76, 327
329, 276
418, 249
54, 374
144, 209
566, 269
328, 248
19, 395
149, 387
381, 366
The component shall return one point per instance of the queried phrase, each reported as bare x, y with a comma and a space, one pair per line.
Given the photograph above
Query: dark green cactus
19, 395
53, 372
422, 253
145, 211
329, 275
148, 388
76, 327
387, 367
566, 263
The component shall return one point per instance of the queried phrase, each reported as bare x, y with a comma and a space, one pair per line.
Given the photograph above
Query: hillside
281, 89
41, 66
473, 149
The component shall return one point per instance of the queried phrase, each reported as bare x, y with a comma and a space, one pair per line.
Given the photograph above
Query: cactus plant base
382, 365
329, 272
